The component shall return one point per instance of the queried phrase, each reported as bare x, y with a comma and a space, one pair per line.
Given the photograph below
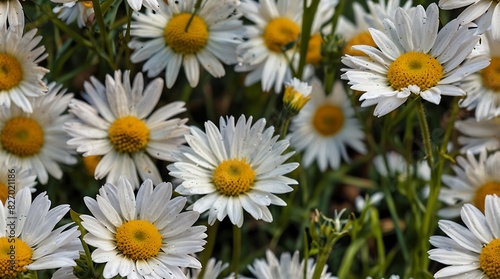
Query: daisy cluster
203, 138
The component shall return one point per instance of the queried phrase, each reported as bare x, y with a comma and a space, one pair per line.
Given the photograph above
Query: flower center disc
280, 33
233, 177
363, 38
313, 55
328, 119
415, 68
184, 40
14, 256
129, 134
138, 240
4, 192
87, 4
11, 71
22, 136
491, 74
489, 188
489, 260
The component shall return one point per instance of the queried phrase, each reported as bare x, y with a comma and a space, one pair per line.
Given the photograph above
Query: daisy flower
238, 167
12, 180
165, 41
483, 88
11, 12
473, 180
478, 135
287, 266
20, 76
486, 13
297, 94
37, 140
80, 11
325, 127
30, 227
471, 251
143, 236
117, 127
213, 269
412, 59
399, 167
271, 41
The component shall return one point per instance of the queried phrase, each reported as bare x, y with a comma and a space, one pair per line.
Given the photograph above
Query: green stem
426, 136
307, 22
236, 250
104, 32
330, 75
209, 247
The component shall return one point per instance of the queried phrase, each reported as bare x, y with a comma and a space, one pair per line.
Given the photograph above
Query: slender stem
103, 30
426, 136
307, 22
209, 247
330, 74
236, 250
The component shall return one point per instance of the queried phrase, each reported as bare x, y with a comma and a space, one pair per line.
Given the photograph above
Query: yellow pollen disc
11, 71
294, 99
14, 256
138, 240
414, 68
489, 260
129, 134
328, 119
489, 188
363, 38
22, 136
313, 55
90, 163
280, 34
491, 74
87, 4
4, 192
184, 40
233, 177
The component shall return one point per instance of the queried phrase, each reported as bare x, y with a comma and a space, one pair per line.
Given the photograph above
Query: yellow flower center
415, 68
14, 256
489, 260
138, 240
363, 38
328, 119
294, 99
90, 163
11, 71
186, 39
280, 34
489, 188
22, 136
491, 75
87, 4
129, 134
313, 55
4, 192
233, 177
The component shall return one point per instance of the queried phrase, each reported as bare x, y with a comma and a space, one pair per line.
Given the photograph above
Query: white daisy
483, 88
398, 166
20, 76
325, 127
13, 179
413, 59
473, 180
11, 12
297, 94
271, 41
239, 167
161, 39
37, 140
117, 126
80, 11
478, 135
213, 269
286, 267
30, 227
64, 273
486, 13
143, 236
471, 251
